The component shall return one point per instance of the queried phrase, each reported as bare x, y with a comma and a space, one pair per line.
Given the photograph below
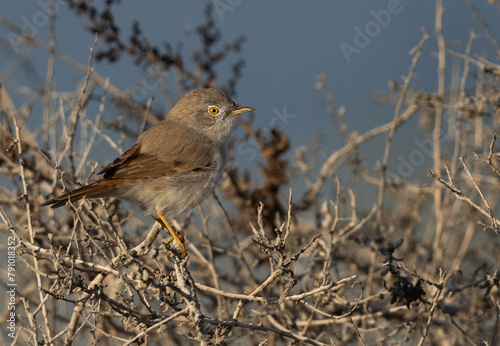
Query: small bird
174, 165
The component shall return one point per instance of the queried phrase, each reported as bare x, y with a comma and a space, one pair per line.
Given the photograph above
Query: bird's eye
213, 110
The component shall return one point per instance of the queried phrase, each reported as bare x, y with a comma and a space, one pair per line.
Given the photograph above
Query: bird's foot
175, 235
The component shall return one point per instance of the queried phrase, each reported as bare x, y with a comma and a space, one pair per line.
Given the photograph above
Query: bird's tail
97, 189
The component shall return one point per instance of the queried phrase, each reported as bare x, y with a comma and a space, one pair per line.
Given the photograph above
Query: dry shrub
420, 266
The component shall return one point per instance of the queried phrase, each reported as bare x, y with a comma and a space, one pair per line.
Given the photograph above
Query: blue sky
287, 44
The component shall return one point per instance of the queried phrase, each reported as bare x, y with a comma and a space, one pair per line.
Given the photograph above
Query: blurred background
381, 116
354, 48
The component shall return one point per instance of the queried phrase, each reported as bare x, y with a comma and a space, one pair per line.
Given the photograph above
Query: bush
415, 267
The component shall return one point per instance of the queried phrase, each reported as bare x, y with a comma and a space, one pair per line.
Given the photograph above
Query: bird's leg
178, 237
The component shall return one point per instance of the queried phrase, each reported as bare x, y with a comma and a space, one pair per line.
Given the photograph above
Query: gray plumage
175, 164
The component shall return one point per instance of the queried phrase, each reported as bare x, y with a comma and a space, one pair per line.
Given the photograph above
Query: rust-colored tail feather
96, 189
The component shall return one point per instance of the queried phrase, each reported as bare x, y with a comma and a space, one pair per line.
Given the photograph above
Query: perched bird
174, 165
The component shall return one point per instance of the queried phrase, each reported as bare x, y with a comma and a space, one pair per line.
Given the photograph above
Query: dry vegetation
419, 267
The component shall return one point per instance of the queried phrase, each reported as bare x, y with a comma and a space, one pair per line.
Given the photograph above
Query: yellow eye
213, 110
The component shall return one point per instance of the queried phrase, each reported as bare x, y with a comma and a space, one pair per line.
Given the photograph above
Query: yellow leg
178, 237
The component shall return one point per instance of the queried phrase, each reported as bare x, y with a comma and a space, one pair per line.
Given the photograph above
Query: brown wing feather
155, 155
133, 164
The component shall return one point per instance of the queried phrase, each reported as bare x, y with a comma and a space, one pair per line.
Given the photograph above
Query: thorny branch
330, 266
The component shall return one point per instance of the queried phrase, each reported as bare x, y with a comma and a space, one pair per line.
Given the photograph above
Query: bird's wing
164, 150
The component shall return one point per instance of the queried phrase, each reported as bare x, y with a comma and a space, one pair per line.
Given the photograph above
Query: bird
174, 166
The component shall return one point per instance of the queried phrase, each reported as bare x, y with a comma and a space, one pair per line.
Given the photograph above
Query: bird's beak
240, 110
